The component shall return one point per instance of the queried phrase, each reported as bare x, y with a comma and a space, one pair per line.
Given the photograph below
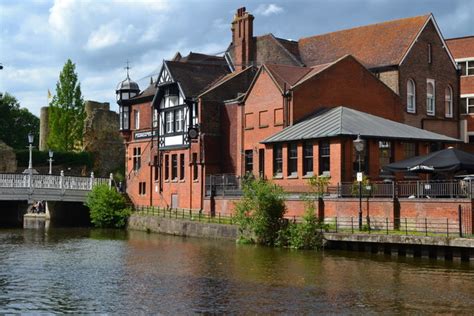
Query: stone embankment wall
7, 159
183, 228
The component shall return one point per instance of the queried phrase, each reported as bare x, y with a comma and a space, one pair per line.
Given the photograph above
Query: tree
66, 112
16, 123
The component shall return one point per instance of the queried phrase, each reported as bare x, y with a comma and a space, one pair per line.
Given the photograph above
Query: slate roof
461, 47
343, 121
195, 77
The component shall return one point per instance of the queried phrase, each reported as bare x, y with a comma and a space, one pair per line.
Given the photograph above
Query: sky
99, 36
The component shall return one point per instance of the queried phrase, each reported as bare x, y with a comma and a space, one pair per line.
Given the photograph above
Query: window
471, 139
142, 188
308, 158
411, 96
467, 67
429, 54
174, 167
324, 157
448, 102
167, 167
292, 159
277, 160
430, 97
181, 167
261, 163
155, 165
410, 150
169, 122
137, 119
195, 166
385, 153
179, 120
248, 161
137, 158
467, 104
155, 117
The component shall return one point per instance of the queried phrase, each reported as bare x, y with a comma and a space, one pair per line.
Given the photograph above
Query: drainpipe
286, 109
201, 158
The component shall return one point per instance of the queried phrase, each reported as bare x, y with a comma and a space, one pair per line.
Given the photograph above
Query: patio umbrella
446, 160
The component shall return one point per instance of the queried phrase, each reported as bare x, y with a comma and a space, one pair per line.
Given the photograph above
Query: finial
151, 80
128, 68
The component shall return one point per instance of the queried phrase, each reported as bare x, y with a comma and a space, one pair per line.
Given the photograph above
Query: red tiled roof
286, 75
461, 47
376, 45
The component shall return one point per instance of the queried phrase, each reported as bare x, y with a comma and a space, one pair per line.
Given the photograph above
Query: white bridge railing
61, 182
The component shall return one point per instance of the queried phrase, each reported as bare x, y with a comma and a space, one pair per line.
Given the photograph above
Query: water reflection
100, 271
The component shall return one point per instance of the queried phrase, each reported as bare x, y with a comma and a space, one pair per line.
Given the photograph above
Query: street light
51, 153
359, 146
31, 138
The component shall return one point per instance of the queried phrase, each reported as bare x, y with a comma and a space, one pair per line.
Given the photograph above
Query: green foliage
16, 123
260, 212
40, 158
108, 208
66, 112
319, 185
366, 188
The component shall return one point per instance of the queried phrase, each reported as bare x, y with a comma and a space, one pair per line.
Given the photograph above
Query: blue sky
37, 36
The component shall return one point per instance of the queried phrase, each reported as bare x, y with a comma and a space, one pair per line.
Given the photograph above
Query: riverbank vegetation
260, 215
108, 208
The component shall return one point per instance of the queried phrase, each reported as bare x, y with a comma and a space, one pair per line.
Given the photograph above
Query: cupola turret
126, 90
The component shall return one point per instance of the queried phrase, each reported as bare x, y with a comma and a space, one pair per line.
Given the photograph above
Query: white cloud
107, 35
268, 9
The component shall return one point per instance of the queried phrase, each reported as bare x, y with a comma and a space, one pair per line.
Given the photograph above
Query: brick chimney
242, 39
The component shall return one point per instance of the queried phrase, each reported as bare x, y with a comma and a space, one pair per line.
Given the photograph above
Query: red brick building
463, 52
394, 82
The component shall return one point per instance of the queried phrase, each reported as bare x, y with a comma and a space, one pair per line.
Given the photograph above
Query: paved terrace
33, 187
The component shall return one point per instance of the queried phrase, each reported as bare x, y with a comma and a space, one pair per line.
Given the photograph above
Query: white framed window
169, 122
155, 117
137, 119
467, 104
179, 120
430, 97
171, 101
467, 67
411, 96
448, 102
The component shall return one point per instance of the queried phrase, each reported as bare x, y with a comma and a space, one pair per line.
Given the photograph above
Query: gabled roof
462, 47
285, 75
343, 121
195, 77
247, 74
376, 45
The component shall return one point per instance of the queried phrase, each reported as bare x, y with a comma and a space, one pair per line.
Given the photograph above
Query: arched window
411, 96
430, 97
448, 101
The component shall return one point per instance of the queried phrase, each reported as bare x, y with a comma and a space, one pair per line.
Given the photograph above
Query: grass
185, 215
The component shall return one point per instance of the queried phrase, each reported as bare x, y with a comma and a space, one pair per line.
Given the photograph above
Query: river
98, 271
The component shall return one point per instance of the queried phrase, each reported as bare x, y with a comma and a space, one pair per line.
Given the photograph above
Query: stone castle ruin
7, 158
101, 136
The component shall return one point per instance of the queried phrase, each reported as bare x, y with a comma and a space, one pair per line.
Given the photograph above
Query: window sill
294, 176
174, 180
248, 128
448, 117
307, 176
278, 124
182, 181
278, 176
263, 126
195, 181
430, 114
411, 112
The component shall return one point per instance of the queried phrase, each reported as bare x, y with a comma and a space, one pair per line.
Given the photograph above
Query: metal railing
230, 185
36, 181
185, 214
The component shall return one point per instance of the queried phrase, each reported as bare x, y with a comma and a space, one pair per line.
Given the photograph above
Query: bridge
35, 187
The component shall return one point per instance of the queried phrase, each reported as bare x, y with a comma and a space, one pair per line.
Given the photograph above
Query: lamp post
359, 146
31, 138
51, 153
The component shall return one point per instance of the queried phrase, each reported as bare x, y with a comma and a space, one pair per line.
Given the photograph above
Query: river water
98, 271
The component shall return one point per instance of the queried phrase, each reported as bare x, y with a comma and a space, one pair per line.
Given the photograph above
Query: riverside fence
231, 185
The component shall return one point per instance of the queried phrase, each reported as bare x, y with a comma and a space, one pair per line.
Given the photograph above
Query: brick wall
391, 79
467, 85
441, 69
346, 83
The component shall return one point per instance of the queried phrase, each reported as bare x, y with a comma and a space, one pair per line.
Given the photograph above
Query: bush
306, 235
108, 208
260, 212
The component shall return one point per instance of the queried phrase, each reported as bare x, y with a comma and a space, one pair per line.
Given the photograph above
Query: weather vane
128, 67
